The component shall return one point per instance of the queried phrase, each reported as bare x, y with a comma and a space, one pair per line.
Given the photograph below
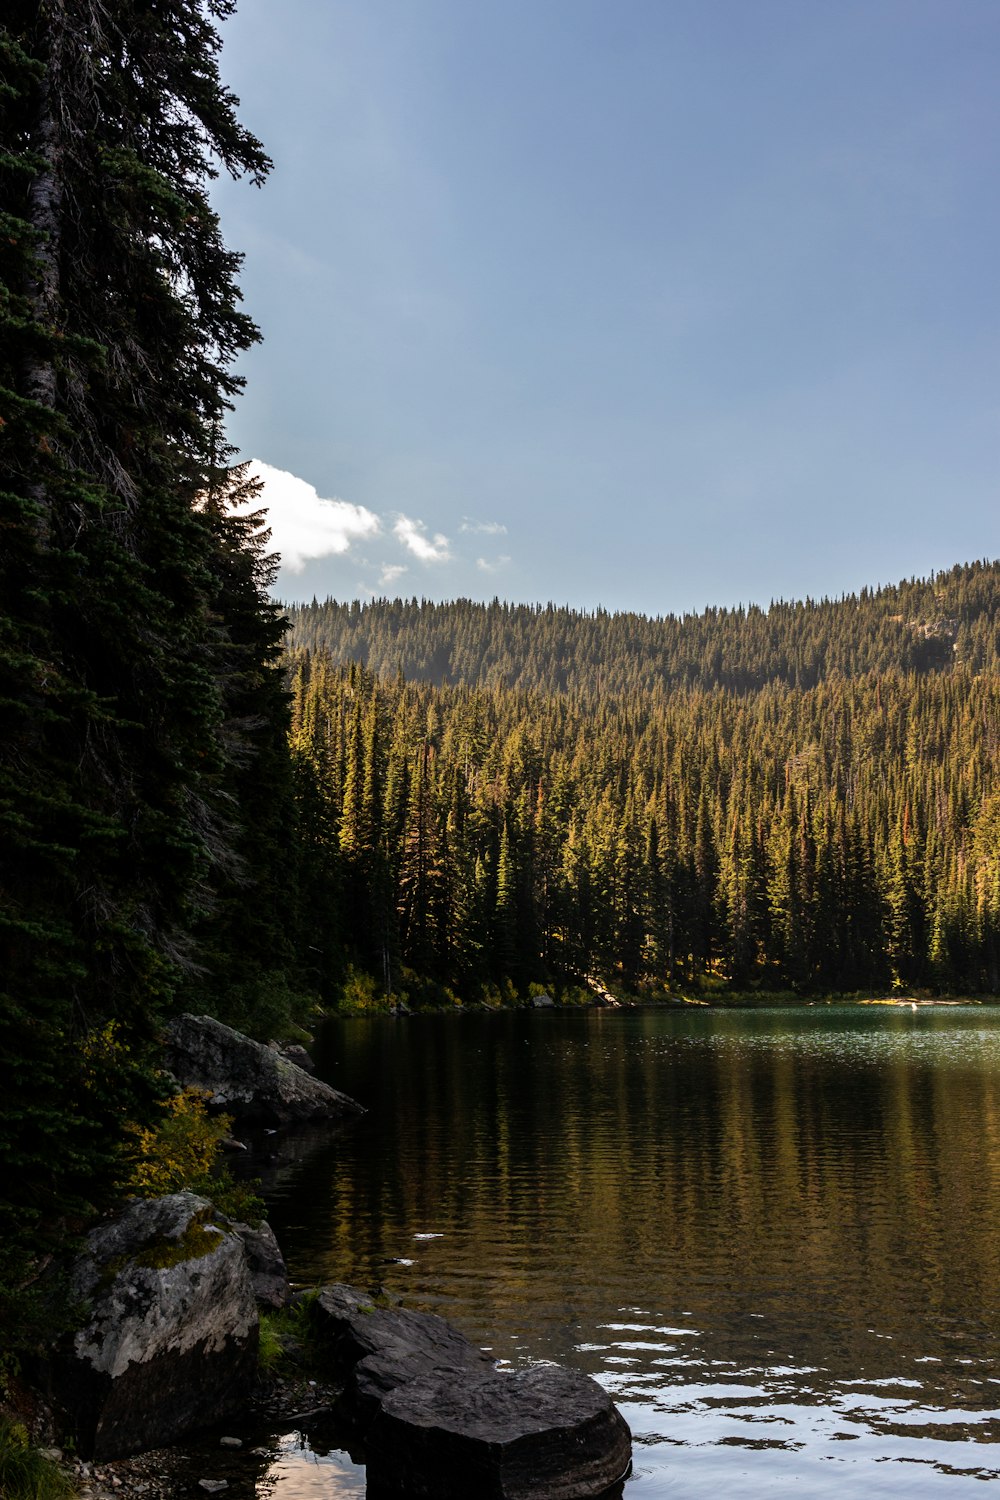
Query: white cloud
307, 527
413, 535
304, 525
483, 528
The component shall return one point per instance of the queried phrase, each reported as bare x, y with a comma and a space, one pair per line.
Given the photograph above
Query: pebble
230, 1442
213, 1485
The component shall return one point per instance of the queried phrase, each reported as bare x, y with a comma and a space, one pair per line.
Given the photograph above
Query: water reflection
305, 1469
775, 1236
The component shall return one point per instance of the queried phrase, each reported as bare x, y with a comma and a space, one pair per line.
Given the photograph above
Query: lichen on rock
170, 1341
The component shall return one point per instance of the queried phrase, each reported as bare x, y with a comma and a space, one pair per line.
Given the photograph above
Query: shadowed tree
122, 618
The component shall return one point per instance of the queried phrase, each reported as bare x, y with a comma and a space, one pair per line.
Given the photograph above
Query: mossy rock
170, 1343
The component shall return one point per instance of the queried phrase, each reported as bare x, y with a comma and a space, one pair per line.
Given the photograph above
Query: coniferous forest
804, 797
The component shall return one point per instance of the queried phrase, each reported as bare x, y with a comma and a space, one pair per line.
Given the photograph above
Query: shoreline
736, 1000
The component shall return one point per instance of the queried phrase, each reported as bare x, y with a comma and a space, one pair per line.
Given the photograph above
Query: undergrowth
286, 1338
181, 1153
24, 1473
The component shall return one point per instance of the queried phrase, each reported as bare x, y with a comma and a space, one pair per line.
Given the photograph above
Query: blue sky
647, 304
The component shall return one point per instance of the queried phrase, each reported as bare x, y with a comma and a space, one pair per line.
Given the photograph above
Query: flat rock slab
439, 1420
374, 1348
544, 1433
254, 1083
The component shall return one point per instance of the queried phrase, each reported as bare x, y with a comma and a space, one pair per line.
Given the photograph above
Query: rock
213, 1486
266, 1264
299, 1056
348, 1325
170, 1344
373, 1349
246, 1079
438, 1420
542, 1002
543, 1433
230, 1442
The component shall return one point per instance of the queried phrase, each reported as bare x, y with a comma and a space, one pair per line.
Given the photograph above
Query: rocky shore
160, 1393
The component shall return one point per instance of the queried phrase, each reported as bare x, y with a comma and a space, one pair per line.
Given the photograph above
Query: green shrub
265, 1007
427, 994
180, 1149
361, 994
180, 1153
24, 1473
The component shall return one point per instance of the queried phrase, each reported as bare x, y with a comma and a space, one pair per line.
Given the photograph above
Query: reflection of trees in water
277, 1158
829, 1203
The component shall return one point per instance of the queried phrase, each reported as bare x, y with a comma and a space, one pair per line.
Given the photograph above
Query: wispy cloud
390, 572
304, 524
413, 535
492, 565
483, 528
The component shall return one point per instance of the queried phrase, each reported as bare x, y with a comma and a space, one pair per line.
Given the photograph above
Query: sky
640, 304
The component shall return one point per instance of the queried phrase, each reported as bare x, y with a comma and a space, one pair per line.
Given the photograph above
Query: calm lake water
774, 1236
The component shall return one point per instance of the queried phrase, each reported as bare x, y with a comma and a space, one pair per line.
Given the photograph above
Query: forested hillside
922, 625
657, 816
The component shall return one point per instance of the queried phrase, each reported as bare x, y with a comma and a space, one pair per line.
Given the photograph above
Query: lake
773, 1235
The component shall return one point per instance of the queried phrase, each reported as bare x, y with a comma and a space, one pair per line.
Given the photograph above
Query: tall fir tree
129, 608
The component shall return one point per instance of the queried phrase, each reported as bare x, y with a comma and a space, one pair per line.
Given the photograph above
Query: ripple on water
774, 1236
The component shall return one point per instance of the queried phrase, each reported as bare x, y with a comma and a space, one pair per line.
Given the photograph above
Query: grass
285, 1338
270, 1348
24, 1473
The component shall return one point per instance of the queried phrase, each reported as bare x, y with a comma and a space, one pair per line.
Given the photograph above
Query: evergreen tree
131, 635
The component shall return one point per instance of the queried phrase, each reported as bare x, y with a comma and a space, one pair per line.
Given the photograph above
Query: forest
799, 798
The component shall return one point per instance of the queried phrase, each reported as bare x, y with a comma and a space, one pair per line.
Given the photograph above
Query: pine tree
120, 319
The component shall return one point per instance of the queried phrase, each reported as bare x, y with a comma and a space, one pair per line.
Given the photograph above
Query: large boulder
439, 1420
544, 1433
254, 1083
170, 1343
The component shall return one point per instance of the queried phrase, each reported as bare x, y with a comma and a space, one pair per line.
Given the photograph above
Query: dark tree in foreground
130, 607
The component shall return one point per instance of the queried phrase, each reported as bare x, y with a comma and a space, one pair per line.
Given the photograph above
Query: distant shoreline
738, 1000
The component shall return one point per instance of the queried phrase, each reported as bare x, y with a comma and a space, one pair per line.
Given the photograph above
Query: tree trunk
45, 208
